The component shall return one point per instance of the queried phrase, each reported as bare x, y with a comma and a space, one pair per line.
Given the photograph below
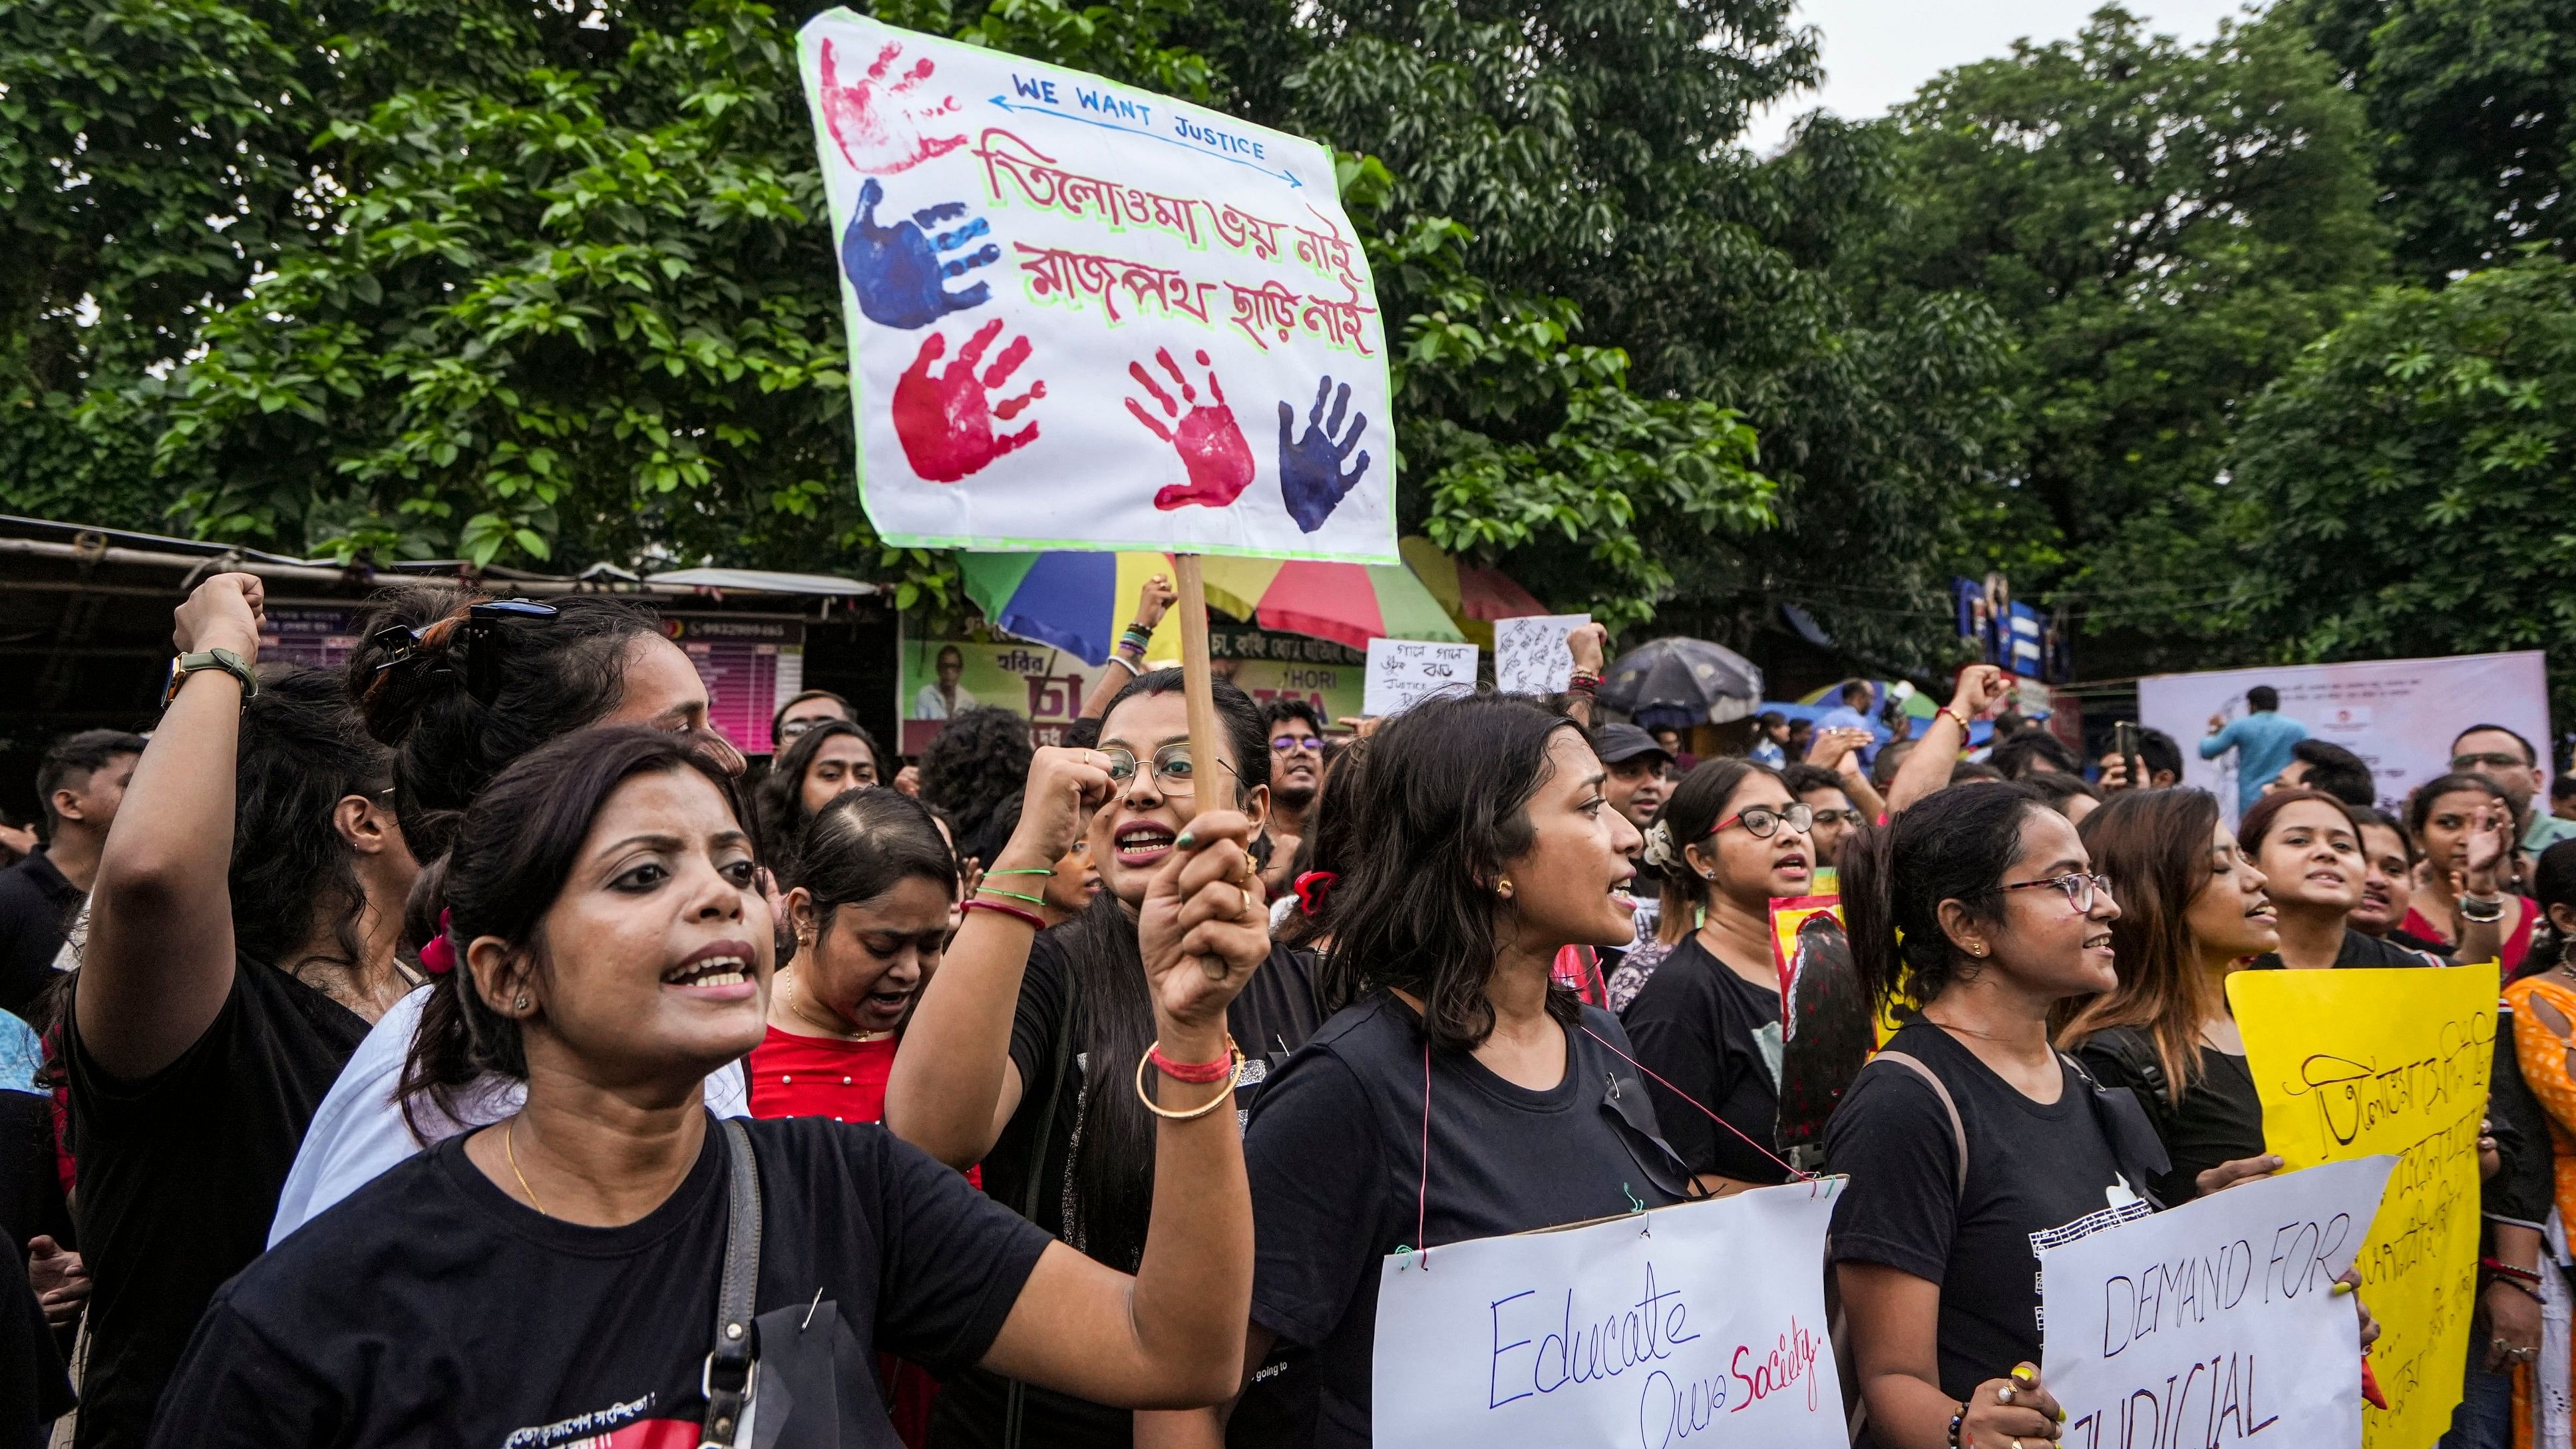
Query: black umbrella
1689, 678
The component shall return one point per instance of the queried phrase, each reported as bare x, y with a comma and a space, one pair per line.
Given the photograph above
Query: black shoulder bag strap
727, 1378
1015, 1399
1958, 1129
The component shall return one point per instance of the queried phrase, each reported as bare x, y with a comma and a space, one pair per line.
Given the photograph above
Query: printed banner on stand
1083, 315
2353, 1064
2216, 1323
1702, 1321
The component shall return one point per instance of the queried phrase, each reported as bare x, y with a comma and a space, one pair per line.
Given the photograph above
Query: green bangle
1014, 895
1032, 870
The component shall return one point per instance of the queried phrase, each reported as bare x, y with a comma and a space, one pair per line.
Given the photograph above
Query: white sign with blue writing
1692, 1324
2216, 1323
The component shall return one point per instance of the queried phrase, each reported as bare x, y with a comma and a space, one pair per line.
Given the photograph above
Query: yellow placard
2352, 1063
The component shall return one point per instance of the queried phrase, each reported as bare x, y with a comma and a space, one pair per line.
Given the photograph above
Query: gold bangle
1220, 1099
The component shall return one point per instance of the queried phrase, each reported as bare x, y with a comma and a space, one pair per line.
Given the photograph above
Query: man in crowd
2159, 755
2324, 765
2504, 756
1770, 739
1636, 787
806, 711
1296, 731
2562, 797
1853, 712
80, 782
2261, 740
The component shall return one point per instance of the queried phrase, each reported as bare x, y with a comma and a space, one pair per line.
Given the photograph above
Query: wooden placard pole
1198, 691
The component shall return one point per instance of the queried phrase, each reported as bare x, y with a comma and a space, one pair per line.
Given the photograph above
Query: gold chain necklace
509, 1145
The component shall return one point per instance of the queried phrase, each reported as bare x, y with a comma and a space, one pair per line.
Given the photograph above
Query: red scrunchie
438, 953
1310, 889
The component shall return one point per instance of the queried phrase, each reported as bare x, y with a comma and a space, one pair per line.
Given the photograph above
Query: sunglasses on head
402, 644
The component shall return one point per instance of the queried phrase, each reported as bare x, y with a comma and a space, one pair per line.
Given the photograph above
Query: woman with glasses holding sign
1969, 1140
1707, 1023
1022, 1054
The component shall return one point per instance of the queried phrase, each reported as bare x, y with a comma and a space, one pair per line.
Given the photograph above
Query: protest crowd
399, 1052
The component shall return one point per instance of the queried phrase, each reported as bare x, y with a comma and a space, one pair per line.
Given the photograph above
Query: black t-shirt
431, 1307
179, 1176
36, 909
2360, 951
2220, 1119
2038, 1175
1273, 1014
1335, 1156
1716, 1036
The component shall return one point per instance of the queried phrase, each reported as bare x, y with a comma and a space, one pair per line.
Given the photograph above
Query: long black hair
2553, 883
302, 752
1449, 786
1954, 845
1113, 1157
1697, 804
541, 677
780, 798
512, 850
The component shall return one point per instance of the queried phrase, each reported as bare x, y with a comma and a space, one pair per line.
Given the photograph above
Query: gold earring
1503, 888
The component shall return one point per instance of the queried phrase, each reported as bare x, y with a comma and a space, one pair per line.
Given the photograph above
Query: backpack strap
1958, 1129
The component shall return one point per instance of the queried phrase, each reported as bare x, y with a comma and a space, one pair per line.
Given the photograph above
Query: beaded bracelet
1955, 717
1955, 1421
1035, 921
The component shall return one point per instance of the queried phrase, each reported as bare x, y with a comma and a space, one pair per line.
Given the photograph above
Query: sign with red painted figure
1083, 315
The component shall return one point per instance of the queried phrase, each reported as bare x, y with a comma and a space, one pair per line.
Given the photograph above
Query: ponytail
1954, 845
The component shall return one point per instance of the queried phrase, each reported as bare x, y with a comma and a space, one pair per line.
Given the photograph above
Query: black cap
1619, 743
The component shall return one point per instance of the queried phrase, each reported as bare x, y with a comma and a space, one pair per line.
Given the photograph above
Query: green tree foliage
2413, 471
1586, 148
2161, 228
552, 283
2470, 108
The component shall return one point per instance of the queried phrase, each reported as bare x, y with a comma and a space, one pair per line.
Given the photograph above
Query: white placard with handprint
1084, 315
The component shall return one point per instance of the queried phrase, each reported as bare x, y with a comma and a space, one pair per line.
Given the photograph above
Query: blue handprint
898, 270
1310, 469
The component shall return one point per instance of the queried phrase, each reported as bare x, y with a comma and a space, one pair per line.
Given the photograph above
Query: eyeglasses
2465, 763
1171, 764
795, 727
1764, 822
1291, 744
1848, 817
2080, 888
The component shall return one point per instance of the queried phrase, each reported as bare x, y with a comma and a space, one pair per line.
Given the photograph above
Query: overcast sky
1876, 52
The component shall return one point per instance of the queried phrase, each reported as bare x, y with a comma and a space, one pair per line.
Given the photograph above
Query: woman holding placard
1485, 847
1969, 1139
1023, 1052
1707, 1023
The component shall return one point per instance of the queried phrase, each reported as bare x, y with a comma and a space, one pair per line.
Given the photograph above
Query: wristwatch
223, 659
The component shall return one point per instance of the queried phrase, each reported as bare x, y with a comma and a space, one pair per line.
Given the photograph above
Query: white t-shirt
359, 1131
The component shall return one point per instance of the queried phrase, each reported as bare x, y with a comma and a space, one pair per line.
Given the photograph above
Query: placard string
1794, 1174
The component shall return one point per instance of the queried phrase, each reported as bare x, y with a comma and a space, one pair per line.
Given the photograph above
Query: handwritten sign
1704, 1321
1404, 672
2217, 1322
1530, 656
1085, 315
2357, 1063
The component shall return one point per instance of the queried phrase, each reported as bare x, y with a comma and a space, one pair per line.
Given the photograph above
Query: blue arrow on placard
1288, 176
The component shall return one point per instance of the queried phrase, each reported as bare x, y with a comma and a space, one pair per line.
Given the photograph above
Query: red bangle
1196, 1072
1018, 913
2507, 1270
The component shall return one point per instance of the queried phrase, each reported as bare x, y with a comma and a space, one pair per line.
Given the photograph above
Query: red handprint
878, 126
1211, 445
945, 421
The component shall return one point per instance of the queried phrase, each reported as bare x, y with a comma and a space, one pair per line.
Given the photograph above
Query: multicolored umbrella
1079, 601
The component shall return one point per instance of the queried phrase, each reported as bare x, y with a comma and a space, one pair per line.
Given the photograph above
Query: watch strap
223, 659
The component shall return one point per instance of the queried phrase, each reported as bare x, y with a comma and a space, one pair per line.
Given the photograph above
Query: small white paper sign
1705, 1320
2216, 1322
1530, 656
1404, 672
